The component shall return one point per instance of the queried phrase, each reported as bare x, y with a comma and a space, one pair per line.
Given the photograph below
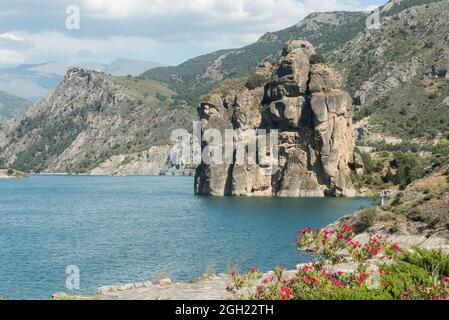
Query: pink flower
336, 283
267, 280
395, 247
339, 236
446, 279
305, 231
312, 280
286, 293
406, 295
363, 277
253, 270
307, 268
347, 228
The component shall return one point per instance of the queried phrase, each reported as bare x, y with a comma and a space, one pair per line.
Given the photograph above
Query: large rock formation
305, 103
96, 123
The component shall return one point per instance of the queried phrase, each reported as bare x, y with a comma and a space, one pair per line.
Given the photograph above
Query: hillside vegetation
397, 76
197, 76
11, 105
88, 119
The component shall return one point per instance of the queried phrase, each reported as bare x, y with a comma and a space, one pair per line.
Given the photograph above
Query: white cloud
11, 57
47, 46
10, 36
216, 10
4, 13
214, 24
169, 31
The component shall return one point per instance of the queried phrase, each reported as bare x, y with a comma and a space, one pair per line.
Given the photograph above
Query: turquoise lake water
131, 229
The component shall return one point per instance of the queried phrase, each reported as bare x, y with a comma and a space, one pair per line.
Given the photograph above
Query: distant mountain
92, 121
401, 69
397, 77
398, 74
124, 67
11, 105
197, 76
34, 81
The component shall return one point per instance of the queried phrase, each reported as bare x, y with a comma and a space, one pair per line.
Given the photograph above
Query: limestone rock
305, 103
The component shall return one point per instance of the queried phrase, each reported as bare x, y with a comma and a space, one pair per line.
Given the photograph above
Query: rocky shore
11, 174
213, 287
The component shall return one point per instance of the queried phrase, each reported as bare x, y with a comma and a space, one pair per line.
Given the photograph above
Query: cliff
303, 100
93, 120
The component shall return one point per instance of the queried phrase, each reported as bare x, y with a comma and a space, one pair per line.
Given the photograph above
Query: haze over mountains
11, 106
396, 75
34, 81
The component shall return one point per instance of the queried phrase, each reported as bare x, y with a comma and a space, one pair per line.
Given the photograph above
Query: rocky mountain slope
35, 81
398, 73
125, 67
396, 76
11, 105
88, 119
304, 101
406, 57
197, 76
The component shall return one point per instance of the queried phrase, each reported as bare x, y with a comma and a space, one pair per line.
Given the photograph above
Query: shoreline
12, 174
213, 287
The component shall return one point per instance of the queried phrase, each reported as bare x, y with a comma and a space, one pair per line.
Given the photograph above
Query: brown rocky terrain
92, 120
305, 102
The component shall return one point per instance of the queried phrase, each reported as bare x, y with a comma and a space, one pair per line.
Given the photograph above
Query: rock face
305, 103
95, 123
152, 162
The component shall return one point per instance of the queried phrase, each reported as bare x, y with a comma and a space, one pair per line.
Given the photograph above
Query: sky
165, 31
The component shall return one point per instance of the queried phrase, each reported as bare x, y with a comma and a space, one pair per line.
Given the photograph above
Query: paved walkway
212, 288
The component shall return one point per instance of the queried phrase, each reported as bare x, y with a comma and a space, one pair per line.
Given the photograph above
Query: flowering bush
329, 244
382, 271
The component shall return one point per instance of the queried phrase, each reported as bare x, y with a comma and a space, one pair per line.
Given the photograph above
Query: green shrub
317, 59
410, 168
161, 97
393, 229
255, 81
416, 215
10, 172
418, 275
370, 165
434, 261
365, 219
343, 294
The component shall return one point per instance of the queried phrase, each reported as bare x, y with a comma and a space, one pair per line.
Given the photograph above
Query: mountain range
11, 106
34, 81
396, 75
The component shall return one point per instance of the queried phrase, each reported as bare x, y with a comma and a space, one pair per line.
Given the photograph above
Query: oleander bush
382, 271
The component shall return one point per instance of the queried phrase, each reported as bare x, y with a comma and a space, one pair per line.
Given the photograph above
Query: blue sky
167, 31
